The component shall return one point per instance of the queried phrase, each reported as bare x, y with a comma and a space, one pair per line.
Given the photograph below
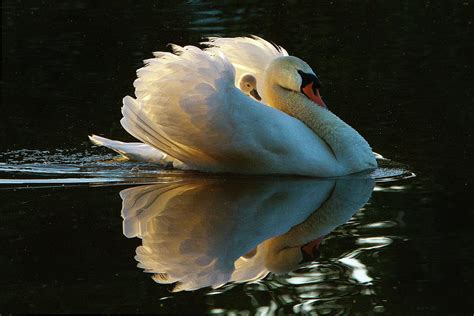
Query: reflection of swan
207, 232
187, 106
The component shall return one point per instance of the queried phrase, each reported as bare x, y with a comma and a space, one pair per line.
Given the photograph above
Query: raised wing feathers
247, 54
178, 98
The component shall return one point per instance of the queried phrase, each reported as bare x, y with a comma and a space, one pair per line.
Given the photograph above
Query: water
400, 73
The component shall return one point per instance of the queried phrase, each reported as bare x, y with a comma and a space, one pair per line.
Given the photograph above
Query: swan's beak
255, 94
311, 251
313, 94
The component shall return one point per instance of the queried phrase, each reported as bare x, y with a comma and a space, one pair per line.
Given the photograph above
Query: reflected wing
185, 237
247, 54
201, 232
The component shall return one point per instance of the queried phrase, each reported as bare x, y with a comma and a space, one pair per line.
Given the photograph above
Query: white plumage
187, 106
247, 54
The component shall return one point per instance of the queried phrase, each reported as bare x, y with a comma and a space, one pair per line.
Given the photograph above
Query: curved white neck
350, 149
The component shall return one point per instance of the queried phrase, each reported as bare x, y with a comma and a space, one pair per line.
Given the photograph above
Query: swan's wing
133, 151
179, 105
247, 54
188, 107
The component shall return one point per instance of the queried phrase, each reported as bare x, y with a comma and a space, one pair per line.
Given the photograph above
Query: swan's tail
134, 151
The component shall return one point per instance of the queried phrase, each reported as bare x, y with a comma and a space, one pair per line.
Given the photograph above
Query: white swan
187, 105
207, 232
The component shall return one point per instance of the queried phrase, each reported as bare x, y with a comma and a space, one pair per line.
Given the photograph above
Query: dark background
400, 72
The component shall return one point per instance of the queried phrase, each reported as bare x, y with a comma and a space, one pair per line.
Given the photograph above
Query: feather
247, 54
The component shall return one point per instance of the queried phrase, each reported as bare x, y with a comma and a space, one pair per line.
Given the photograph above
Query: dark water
399, 72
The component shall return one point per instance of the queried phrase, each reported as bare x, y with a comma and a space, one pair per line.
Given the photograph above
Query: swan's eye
307, 78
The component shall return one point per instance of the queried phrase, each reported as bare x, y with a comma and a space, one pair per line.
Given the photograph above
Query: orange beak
315, 97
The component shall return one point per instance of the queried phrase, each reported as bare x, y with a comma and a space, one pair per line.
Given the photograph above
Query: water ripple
67, 167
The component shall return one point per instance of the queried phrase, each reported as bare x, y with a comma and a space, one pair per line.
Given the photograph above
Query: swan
188, 107
248, 85
199, 232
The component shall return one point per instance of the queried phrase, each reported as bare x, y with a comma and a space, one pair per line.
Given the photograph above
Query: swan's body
188, 106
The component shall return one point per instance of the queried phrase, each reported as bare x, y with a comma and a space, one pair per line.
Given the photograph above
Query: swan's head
292, 73
248, 85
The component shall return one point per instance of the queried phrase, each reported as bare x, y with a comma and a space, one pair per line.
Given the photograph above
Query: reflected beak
311, 251
313, 94
255, 94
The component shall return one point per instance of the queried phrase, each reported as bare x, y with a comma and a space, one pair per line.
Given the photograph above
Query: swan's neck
350, 149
